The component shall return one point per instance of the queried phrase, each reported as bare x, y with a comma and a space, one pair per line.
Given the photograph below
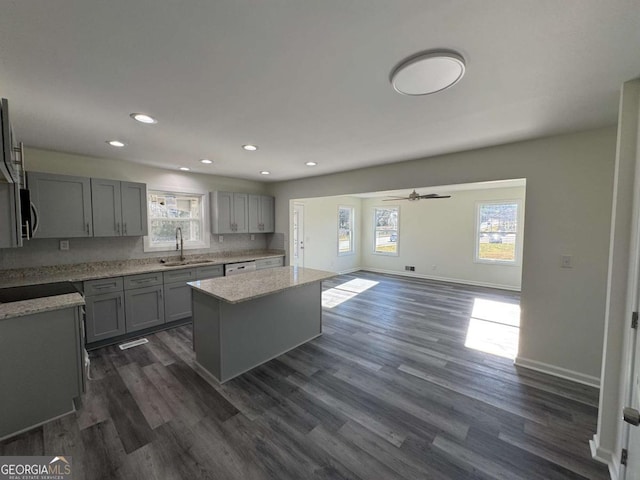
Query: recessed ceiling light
311, 164
115, 143
206, 161
427, 73
143, 118
250, 148
265, 172
185, 169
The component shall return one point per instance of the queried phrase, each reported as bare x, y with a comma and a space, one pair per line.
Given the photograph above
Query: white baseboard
558, 371
350, 270
442, 279
604, 456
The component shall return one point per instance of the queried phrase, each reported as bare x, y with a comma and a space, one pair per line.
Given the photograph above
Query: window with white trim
167, 211
497, 232
345, 231
386, 234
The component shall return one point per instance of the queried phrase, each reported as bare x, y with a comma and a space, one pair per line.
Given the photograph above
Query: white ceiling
306, 80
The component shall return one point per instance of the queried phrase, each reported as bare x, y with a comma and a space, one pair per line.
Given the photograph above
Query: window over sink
168, 211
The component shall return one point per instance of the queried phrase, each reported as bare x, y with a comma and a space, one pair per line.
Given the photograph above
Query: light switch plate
64, 244
566, 261
220, 238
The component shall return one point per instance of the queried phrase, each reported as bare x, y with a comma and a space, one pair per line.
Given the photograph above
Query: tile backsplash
46, 252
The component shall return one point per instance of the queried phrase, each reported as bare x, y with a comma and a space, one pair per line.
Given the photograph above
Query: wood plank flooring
388, 392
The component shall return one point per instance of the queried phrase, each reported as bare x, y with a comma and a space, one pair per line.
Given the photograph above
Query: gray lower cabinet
269, 263
177, 301
41, 373
210, 271
104, 316
177, 294
144, 308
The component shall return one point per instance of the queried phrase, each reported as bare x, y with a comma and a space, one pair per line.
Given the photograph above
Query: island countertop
247, 286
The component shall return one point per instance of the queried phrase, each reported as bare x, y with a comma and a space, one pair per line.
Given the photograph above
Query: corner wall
321, 233
569, 197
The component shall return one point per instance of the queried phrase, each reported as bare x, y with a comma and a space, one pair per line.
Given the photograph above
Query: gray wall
569, 196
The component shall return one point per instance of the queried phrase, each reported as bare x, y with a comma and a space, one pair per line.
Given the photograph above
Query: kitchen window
345, 231
168, 211
497, 232
386, 233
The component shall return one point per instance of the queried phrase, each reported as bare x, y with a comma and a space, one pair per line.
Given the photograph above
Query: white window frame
375, 226
204, 243
352, 249
517, 261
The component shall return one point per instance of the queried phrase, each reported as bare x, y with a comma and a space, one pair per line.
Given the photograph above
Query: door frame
297, 256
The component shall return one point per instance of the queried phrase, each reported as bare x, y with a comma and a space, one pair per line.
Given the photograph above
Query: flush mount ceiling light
311, 164
115, 143
265, 172
427, 73
185, 169
206, 161
250, 148
143, 118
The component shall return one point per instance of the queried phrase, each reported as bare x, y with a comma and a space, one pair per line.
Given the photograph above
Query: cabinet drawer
269, 263
142, 280
174, 276
104, 285
209, 272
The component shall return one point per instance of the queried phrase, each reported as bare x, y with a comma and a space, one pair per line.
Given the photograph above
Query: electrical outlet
64, 244
434, 267
410, 268
220, 238
566, 261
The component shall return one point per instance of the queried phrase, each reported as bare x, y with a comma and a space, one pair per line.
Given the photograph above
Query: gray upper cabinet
119, 208
134, 209
229, 212
261, 214
63, 204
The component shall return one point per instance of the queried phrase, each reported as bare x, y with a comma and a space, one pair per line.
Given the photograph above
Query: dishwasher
238, 268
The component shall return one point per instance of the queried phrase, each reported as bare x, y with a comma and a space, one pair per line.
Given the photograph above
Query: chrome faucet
181, 244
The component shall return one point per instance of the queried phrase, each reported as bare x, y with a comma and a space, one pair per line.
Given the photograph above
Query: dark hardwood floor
388, 392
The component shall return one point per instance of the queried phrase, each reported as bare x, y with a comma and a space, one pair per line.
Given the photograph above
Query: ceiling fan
416, 196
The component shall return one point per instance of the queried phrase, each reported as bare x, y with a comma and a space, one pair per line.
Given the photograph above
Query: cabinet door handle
118, 228
88, 229
125, 228
160, 291
119, 301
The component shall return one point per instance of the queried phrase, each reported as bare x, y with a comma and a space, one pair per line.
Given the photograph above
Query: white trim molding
605, 456
558, 371
442, 279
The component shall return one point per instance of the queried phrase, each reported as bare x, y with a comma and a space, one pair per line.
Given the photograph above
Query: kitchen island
243, 321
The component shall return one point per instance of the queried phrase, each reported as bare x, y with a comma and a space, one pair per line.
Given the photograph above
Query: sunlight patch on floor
346, 291
494, 328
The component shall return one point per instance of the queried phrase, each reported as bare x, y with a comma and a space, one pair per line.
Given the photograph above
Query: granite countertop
247, 286
39, 305
92, 271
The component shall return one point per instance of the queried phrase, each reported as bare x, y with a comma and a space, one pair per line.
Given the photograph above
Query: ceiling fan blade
434, 195
393, 199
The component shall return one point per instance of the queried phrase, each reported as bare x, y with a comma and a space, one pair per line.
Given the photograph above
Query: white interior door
298, 235
633, 461
629, 140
